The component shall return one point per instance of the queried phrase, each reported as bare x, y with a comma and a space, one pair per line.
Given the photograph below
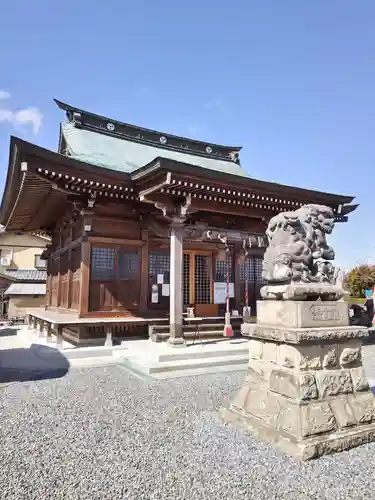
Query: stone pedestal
305, 391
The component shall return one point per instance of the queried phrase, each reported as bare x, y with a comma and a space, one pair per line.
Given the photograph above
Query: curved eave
29, 149
240, 183
27, 186
12, 182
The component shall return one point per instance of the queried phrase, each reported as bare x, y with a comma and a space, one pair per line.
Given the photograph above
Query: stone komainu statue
298, 254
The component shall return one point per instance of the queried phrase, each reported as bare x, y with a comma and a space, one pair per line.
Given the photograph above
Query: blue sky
292, 81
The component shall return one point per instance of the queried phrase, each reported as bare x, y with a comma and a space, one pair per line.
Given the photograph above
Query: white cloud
27, 116
4, 94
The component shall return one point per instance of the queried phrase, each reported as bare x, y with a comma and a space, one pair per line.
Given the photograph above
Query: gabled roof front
119, 146
109, 161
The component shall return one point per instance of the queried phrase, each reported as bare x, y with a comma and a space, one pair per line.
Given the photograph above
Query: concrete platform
163, 361
141, 357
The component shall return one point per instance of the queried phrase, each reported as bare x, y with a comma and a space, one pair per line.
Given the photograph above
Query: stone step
189, 326
48, 350
223, 349
186, 367
191, 335
93, 352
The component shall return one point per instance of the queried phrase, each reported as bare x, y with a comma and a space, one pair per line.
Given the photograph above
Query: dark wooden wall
111, 269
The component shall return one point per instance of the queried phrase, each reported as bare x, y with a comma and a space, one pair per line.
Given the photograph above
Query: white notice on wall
160, 279
154, 298
165, 289
220, 292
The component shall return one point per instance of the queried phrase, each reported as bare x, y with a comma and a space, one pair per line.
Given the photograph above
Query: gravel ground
102, 433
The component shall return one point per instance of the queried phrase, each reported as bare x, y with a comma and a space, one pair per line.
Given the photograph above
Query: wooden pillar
48, 292
59, 339
144, 273
39, 328
69, 283
176, 284
28, 322
58, 298
47, 331
33, 322
47, 299
108, 338
83, 307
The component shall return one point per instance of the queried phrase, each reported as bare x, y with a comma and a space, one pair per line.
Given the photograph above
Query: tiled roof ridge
107, 151
25, 274
102, 125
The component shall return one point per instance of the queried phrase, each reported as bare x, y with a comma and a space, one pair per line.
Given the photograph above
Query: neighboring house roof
24, 274
26, 289
128, 156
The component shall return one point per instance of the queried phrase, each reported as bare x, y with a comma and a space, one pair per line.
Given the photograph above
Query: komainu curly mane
298, 251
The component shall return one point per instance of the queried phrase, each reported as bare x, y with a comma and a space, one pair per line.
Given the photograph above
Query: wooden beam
71, 245
143, 194
114, 241
199, 204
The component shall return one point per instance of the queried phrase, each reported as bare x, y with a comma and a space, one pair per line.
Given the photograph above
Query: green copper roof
127, 156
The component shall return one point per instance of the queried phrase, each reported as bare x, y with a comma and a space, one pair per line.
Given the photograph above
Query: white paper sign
220, 292
160, 279
165, 289
154, 298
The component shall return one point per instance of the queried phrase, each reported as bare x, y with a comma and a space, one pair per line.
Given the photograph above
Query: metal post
246, 244
245, 268
228, 330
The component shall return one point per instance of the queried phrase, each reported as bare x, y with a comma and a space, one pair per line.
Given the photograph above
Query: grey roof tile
26, 289
26, 274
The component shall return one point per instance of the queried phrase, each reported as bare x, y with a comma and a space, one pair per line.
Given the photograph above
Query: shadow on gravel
8, 332
38, 362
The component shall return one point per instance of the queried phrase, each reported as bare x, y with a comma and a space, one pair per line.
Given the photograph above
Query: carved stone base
310, 397
302, 291
302, 314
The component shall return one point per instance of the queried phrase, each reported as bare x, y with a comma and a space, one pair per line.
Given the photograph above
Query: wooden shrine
145, 224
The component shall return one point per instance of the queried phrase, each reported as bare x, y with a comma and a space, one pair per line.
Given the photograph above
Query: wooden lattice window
159, 263
186, 279
128, 264
252, 269
202, 279
221, 268
102, 264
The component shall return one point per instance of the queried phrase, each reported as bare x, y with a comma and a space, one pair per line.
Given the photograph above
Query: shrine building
143, 224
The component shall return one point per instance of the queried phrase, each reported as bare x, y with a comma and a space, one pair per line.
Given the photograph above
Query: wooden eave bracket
176, 213
145, 193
